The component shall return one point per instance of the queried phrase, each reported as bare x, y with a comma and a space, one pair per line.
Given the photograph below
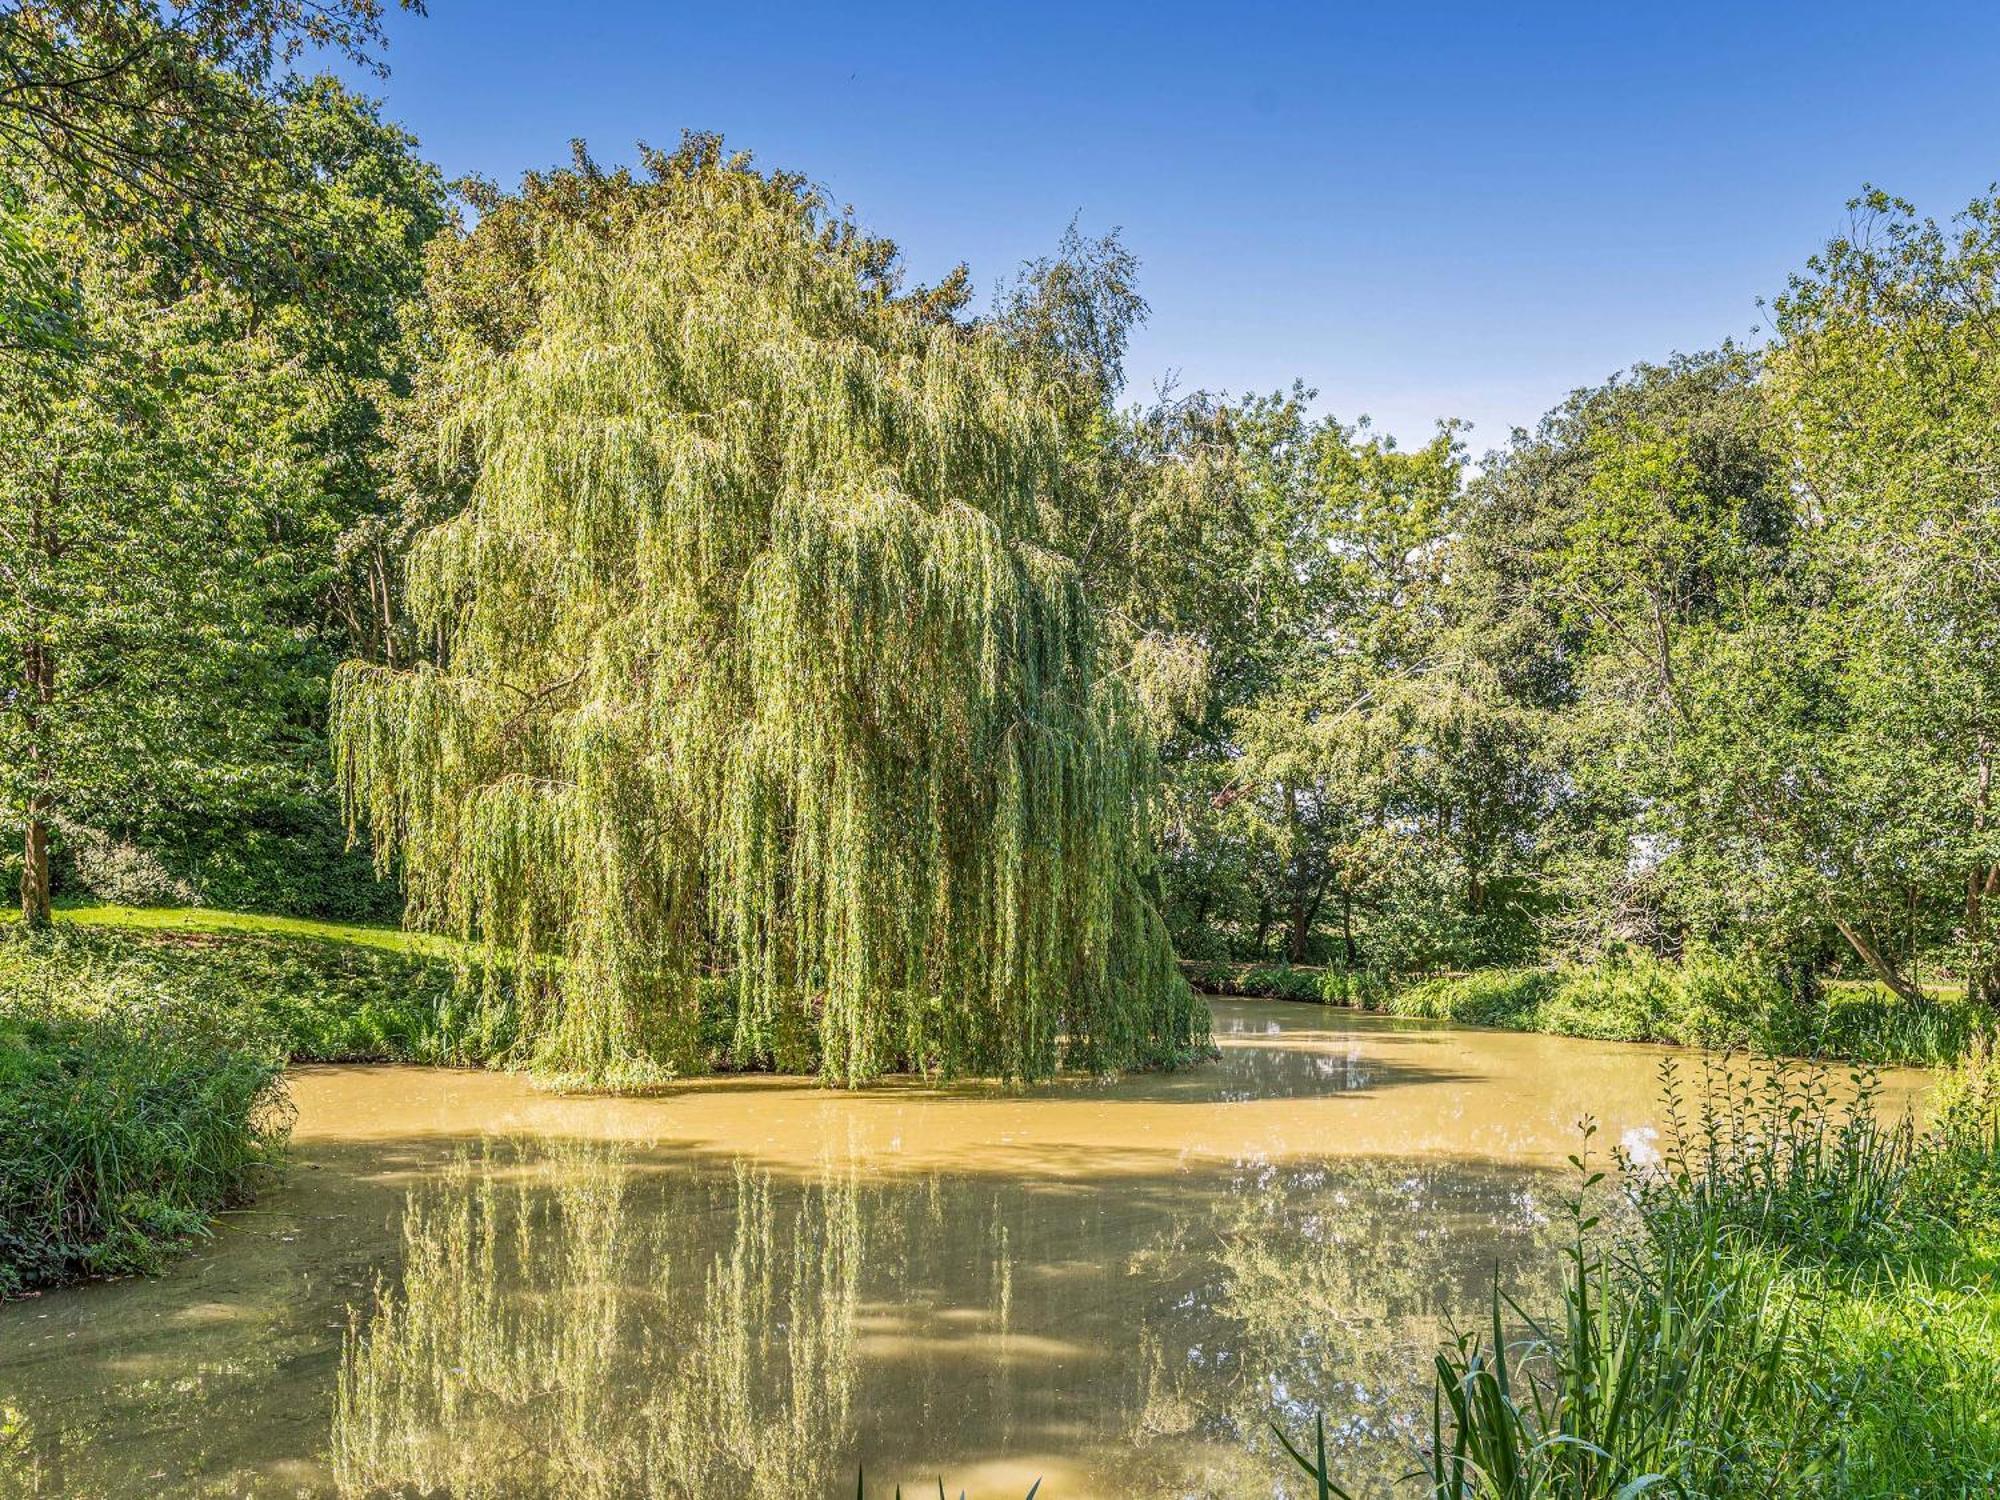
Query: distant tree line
1706, 659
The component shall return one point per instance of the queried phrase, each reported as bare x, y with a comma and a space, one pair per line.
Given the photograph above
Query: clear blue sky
1422, 210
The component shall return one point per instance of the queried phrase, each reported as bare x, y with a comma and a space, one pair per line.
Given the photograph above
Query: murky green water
748, 1287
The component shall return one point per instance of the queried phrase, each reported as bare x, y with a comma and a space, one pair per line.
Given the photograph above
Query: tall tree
127, 442
1886, 371
1606, 555
748, 659
135, 475
155, 119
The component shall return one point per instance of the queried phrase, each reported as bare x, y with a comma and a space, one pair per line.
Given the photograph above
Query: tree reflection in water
568, 1321
546, 1340
1327, 1288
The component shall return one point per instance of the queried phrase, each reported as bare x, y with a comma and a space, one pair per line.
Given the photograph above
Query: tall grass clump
125, 1124
1794, 1296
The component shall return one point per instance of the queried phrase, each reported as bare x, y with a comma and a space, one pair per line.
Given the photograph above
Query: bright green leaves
751, 665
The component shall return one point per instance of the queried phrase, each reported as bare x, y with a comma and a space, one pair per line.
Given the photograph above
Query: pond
751, 1286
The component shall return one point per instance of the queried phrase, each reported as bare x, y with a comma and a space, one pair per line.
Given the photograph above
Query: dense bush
290, 861
313, 992
1363, 989
302, 998
128, 1116
1256, 981
1704, 1001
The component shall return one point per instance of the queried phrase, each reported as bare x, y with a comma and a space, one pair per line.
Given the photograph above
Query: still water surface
749, 1286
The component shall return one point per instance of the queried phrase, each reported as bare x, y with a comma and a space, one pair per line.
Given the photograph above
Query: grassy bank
197, 920
1704, 1002
141, 1066
1799, 1301
321, 995
128, 1117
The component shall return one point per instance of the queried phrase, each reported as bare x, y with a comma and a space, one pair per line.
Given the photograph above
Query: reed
1797, 1299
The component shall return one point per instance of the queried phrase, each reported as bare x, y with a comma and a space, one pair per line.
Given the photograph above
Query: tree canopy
750, 669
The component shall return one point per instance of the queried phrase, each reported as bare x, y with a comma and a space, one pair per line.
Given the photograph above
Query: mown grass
1703, 1002
1803, 1304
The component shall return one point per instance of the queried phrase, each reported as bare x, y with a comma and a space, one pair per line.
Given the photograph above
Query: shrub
1363, 989
126, 1120
1485, 997
1256, 981
1707, 1000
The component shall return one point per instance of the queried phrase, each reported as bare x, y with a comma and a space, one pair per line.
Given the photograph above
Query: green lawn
203, 919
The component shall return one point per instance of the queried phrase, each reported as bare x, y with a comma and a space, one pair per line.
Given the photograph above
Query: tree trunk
1883, 969
1980, 884
1347, 925
39, 667
1302, 904
35, 865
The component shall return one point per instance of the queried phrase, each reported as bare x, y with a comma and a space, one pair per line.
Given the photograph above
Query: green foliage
1800, 1305
1704, 1001
307, 999
183, 478
158, 119
750, 661
130, 1112
1363, 989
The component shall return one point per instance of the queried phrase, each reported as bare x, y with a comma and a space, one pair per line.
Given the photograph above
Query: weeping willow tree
750, 677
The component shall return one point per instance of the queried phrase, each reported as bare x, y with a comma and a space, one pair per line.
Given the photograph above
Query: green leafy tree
748, 662
156, 120
1323, 752
1886, 371
135, 476
152, 450
1606, 557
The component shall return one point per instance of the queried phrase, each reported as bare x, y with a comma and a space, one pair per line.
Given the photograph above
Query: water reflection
577, 1322
747, 1286
1327, 1289
551, 1336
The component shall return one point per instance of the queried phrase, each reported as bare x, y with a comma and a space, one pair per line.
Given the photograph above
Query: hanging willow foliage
752, 680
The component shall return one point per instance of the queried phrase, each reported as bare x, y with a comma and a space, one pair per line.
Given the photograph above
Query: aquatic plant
861, 1488
749, 659
1801, 1304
